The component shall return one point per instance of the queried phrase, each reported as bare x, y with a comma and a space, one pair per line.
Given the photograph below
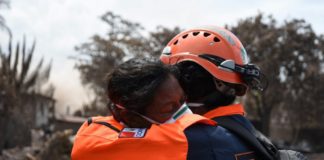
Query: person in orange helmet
152, 121
214, 70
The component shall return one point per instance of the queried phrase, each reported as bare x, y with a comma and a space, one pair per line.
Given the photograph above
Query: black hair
133, 83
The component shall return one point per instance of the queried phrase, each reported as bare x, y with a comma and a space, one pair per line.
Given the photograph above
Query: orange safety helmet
217, 50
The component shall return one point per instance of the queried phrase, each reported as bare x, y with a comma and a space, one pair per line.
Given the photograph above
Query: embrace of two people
181, 106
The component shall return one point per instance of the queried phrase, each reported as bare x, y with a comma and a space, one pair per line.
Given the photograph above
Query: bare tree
124, 39
4, 3
291, 56
158, 39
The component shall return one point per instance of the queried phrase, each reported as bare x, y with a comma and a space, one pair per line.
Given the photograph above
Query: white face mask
184, 109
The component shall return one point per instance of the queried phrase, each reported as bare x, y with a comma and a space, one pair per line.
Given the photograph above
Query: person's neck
199, 110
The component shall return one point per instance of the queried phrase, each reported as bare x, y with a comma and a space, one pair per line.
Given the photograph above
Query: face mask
184, 109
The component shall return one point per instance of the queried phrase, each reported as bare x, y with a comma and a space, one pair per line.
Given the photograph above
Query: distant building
40, 110
63, 122
29, 111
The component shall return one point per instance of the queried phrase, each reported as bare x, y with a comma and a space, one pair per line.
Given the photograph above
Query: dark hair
133, 83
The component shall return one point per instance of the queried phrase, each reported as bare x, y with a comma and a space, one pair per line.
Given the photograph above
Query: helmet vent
185, 36
176, 42
206, 34
216, 39
195, 33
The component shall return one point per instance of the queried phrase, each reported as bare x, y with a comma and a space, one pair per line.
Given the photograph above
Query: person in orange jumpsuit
152, 121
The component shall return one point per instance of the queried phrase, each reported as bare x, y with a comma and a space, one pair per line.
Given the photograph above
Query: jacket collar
234, 109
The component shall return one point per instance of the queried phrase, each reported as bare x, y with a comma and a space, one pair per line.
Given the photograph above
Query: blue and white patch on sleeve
132, 133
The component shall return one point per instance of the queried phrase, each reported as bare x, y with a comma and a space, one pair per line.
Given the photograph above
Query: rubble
57, 147
18, 153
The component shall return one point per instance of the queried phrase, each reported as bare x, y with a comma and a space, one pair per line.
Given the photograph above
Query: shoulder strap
103, 123
108, 125
244, 133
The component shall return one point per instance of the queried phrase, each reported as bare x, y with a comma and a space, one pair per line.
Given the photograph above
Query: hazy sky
59, 25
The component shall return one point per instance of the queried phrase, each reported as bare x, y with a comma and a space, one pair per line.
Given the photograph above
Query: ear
220, 85
223, 88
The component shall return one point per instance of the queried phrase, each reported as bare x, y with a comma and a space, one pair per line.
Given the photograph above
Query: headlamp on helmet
250, 73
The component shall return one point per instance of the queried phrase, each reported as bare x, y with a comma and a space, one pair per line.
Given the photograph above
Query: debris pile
57, 146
